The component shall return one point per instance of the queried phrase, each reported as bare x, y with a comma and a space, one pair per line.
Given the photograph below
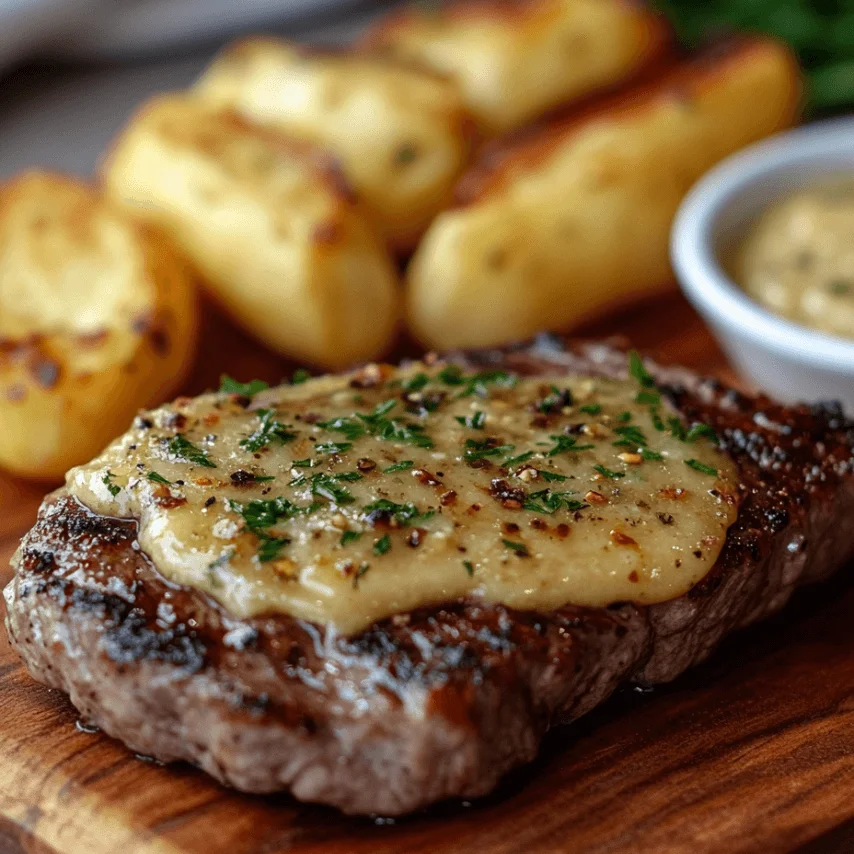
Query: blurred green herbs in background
820, 31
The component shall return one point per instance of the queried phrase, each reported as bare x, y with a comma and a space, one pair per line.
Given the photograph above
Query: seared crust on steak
432, 704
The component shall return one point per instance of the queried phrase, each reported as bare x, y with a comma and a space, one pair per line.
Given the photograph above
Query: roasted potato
269, 222
574, 218
97, 319
514, 61
402, 135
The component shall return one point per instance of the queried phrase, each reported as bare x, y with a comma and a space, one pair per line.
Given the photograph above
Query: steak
435, 703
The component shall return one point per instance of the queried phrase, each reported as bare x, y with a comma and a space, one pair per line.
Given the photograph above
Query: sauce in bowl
798, 258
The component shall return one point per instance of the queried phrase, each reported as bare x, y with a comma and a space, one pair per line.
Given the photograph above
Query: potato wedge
515, 61
574, 219
402, 134
97, 319
271, 225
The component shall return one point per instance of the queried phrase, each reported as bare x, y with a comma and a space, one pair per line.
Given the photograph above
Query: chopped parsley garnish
474, 421
639, 371
699, 430
327, 486
402, 514
404, 465
184, 450
477, 449
222, 560
624, 417
269, 548
554, 402
299, 376
376, 424
227, 385
350, 537
546, 501
476, 384
630, 437
700, 467
514, 461
520, 548
469, 566
416, 382
613, 475
158, 478
333, 447
112, 488
566, 445
268, 430
260, 514
647, 454
650, 398
590, 408
551, 476
360, 573
656, 420
382, 545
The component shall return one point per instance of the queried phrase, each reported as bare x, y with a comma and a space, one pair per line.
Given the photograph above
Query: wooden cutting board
752, 752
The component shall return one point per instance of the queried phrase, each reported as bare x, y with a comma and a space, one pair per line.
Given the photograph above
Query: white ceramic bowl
789, 361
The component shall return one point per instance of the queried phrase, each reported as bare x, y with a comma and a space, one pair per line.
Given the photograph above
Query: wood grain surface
752, 752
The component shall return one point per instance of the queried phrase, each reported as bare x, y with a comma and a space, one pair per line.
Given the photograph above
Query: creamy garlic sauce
798, 259
346, 499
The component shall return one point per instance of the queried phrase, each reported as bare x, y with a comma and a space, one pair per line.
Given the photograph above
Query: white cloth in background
64, 117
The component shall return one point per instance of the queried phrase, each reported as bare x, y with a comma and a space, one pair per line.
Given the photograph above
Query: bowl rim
700, 273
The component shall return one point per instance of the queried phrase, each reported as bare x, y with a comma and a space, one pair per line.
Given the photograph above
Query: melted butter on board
343, 504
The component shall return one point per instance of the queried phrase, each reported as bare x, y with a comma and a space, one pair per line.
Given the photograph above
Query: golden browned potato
514, 61
402, 134
270, 224
97, 319
575, 219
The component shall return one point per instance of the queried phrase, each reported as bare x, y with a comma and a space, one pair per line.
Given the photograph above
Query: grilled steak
439, 701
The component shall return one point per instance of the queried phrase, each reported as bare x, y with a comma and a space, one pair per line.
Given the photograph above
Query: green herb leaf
404, 465
590, 408
651, 398
382, 545
546, 501
350, 537
474, 421
624, 417
158, 478
630, 437
613, 475
268, 430
416, 382
556, 401
307, 463
112, 488
227, 385
469, 568
360, 574
476, 449
520, 548
402, 514
269, 548
639, 371
183, 449
700, 430
551, 476
260, 514
700, 467
514, 461
565, 445
333, 447
647, 454
299, 376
